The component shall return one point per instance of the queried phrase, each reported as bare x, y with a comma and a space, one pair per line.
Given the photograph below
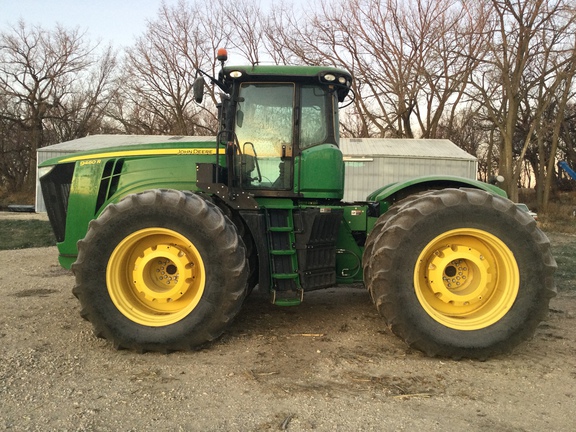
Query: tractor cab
279, 128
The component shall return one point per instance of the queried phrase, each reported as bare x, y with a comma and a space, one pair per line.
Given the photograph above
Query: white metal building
370, 162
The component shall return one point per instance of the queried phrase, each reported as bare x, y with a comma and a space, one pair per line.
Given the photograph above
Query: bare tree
84, 109
247, 24
13, 151
38, 72
521, 40
160, 69
411, 59
470, 131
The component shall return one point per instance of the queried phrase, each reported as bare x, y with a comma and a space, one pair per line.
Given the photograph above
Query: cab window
264, 128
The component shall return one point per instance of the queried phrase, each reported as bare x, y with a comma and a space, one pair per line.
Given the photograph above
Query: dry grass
564, 251
561, 215
7, 198
22, 234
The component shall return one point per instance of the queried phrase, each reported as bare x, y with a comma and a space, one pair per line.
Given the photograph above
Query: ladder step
280, 229
283, 252
284, 275
287, 298
288, 302
285, 278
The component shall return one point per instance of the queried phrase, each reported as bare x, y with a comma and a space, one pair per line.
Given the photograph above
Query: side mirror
198, 89
494, 180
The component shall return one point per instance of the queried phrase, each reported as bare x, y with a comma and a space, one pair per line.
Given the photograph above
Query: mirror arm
225, 88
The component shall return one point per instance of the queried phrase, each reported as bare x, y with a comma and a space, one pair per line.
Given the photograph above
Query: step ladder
286, 289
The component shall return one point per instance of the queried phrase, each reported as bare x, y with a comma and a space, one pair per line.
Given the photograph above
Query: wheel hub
454, 272
466, 279
160, 273
155, 276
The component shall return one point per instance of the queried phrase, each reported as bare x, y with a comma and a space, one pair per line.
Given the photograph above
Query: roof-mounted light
330, 77
222, 54
342, 80
235, 74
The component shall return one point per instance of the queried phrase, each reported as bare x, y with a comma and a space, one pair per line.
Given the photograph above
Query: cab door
264, 128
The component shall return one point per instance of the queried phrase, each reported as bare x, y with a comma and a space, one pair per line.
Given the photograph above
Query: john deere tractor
166, 237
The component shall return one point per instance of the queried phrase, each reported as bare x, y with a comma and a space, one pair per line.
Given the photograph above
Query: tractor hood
96, 147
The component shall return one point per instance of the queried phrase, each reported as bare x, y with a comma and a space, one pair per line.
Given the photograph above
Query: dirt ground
327, 365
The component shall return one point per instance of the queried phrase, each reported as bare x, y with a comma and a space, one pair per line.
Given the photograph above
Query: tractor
166, 237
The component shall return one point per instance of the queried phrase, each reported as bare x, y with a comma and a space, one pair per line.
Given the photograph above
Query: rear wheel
461, 273
161, 271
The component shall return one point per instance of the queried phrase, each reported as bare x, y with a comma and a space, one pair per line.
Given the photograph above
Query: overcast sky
116, 21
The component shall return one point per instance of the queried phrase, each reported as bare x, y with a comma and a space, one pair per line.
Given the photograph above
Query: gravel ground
327, 365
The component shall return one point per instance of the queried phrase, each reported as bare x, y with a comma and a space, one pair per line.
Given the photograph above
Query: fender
389, 194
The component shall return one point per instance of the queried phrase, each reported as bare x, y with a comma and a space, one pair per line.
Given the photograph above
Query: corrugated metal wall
362, 178
371, 163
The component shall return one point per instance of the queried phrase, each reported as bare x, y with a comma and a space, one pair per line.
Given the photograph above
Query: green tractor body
167, 237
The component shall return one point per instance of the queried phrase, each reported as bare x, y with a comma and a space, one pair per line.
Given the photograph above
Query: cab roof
287, 71
326, 75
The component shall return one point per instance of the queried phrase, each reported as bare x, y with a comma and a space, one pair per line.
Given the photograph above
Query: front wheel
461, 273
162, 270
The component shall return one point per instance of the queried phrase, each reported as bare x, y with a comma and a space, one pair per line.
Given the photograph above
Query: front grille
56, 191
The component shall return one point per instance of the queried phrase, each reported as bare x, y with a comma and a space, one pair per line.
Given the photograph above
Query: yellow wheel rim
155, 277
466, 279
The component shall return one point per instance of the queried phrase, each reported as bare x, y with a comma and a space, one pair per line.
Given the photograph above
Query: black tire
422, 251
376, 233
162, 270
246, 236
